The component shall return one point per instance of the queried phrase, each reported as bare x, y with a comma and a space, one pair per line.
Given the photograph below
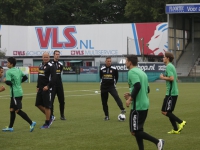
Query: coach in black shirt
109, 77
59, 86
45, 84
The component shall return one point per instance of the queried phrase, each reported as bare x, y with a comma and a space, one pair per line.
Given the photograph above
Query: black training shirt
46, 75
59, 68
108, 76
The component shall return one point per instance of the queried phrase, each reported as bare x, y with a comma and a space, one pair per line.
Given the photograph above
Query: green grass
85, 129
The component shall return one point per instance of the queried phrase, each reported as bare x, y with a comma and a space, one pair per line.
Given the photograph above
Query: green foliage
64, 12
21, 12
85, 129
2, 53
150, 10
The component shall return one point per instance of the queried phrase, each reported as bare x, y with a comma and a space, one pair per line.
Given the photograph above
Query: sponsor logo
93, 52
176, 8
50, 37
39, 53
159, 43
77, 52
134, 122
19, 53
146, 67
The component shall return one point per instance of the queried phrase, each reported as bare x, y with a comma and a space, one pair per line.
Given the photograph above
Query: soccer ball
96, 92
121, 117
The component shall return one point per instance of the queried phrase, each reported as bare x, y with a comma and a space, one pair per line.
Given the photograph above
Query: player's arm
116, 75
2, 88
24, 78
8, 79
170, 78
100, 74
135, 91
61, 68
53, 77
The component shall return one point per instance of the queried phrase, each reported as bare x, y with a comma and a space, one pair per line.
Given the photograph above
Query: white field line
66, 95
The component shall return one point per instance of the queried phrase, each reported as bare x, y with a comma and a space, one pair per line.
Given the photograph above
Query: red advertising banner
34, 69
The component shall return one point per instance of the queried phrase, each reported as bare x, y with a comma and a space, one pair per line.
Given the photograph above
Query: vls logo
51, 34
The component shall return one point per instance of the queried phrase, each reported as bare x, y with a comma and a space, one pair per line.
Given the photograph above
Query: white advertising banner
80, 40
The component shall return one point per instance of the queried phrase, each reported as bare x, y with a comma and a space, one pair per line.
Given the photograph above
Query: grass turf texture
85, 128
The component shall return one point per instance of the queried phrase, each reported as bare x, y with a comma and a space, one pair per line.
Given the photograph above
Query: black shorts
169, 103
43, 98
137, 119
16, 103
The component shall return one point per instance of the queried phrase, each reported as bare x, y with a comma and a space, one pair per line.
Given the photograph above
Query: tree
21, 12
84, 12
149, 10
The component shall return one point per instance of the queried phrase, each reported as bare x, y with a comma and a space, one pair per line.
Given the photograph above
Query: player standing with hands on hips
109, 77
59, 86
139, 101
14, 78
45, 84
171, 96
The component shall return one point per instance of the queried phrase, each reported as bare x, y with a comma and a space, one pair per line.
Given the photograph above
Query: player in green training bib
171, 96
14, 78
139, 101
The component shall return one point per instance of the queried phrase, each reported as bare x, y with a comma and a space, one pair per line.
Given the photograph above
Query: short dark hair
170, 56
108, 57
133, 59
1, 67
56, 51
12, 61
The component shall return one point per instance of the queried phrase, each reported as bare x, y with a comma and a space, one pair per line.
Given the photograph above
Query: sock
173, 117
140, 143
174, 124
47, 122
24, 116
146, 136
12, 119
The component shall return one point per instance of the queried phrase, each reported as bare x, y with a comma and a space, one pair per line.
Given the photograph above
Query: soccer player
109, 77
45, 84
139, 101
14, 78
59, 86
171, 96
2, 88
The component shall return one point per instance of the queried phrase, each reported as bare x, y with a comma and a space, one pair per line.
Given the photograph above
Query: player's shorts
43, 98
16, 103
137, 119
169, 103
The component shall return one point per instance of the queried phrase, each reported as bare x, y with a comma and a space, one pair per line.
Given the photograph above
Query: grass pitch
85, 128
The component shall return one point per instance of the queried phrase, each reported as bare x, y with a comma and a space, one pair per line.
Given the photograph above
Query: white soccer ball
96, 92
121, 117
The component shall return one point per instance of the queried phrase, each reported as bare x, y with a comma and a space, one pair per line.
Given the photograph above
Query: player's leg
61, 99
46, 97
136, 121
173, 117
53, 95
18, 110
39, 101
12, 117
169, 103
104, 100
115, 95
